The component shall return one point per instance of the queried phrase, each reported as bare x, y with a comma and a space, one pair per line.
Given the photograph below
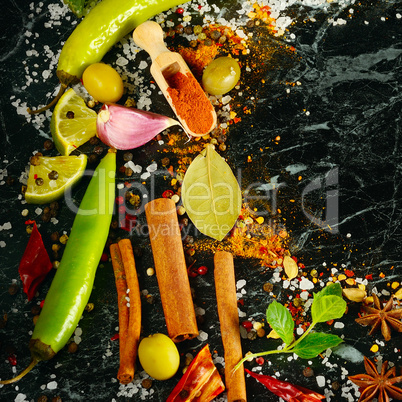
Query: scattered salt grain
2, 244
6, 226
306, 284
121, 61
152, 167
339, 325
320, 380
202, 336
241, 283
143, 64
52, 385
20, 398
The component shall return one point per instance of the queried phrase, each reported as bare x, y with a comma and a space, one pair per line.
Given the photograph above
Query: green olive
159, 356
103, 83
221, 75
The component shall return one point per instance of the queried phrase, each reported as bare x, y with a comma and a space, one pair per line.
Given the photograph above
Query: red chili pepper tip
115, 337
42, 303
202, 270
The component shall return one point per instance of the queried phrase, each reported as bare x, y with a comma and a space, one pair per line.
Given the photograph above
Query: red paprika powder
190, 102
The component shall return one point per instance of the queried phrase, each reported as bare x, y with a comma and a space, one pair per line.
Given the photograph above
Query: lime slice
49, 177
73, 122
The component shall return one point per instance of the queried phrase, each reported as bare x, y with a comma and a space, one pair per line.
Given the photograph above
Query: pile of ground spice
190, 102
251, 238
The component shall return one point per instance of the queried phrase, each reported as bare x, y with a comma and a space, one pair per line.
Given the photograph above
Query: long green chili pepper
72, 284
107, 23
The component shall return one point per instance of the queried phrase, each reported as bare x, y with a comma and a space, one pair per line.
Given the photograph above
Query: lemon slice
49, 177
73, 123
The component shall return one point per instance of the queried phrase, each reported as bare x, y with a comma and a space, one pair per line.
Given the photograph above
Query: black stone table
321, 145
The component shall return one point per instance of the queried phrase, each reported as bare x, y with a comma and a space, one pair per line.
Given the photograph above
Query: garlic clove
124, 128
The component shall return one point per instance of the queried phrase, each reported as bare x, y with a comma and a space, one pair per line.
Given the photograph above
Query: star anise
375, 384
382, 316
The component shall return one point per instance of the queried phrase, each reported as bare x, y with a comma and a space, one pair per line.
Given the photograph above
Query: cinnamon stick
129, 302
225, 287
171, 270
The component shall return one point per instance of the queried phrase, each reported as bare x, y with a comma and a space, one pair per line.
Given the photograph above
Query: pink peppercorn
180, 11
260, 361
202, 270
120, 200
12, 359
248, 325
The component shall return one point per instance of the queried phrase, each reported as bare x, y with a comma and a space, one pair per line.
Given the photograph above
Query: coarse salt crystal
121, 61
203, 336
152, 167
320, 380
306, 284
52, 385
143, 65
241, 283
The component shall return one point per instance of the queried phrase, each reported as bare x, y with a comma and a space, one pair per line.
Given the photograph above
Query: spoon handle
149, 36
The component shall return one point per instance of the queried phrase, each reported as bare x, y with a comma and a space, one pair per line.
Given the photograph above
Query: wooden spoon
165, 64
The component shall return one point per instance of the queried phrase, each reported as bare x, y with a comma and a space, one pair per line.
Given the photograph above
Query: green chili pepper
72, 284
107, 23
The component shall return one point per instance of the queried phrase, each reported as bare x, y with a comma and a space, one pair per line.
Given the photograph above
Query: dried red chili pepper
35, 263
200, 382
286, 390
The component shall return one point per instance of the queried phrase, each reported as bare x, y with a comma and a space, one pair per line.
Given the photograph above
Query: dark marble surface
335, 104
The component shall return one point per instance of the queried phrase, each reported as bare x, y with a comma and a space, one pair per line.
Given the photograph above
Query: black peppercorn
48, 144
39, 181
13, 289
127, 157
70, 114
94, 140
53, 175
215, 35
308, 372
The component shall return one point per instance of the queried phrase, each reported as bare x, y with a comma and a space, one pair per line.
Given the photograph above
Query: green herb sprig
327, 305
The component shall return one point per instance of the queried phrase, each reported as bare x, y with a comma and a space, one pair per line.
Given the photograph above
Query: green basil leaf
280, 319
326, 308
333, 289
315, 343
211, 194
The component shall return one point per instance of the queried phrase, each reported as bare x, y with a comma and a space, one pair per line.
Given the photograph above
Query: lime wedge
49, 177
73, 123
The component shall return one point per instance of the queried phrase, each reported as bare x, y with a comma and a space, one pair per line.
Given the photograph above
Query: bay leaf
211, 194
290, 266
